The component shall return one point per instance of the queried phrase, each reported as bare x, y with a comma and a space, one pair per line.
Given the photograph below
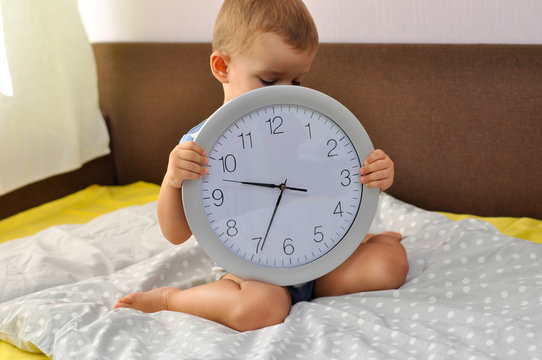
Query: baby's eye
267, 83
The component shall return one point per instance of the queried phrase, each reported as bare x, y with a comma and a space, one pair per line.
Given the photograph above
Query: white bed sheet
471, 293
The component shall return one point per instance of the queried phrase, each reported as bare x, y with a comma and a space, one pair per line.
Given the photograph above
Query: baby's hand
377, 171
186, 161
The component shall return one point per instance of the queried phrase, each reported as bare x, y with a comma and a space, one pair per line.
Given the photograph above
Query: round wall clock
283, 202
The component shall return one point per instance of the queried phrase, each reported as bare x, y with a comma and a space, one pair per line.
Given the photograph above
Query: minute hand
265, 185
282, 187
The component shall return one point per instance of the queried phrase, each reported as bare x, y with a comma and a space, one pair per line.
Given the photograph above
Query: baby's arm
186, 161
377, 171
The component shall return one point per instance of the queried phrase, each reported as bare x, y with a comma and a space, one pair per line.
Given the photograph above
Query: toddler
260, 43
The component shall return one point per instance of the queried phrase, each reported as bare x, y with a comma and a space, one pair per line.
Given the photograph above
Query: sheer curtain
50, 121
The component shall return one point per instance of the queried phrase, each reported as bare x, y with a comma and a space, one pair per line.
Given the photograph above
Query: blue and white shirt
191, 135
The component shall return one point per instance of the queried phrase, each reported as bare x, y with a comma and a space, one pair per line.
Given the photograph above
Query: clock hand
253, 183
266, 185
282, 188
295, 189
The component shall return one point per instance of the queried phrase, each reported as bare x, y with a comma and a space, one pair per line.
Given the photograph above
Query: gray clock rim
217, 123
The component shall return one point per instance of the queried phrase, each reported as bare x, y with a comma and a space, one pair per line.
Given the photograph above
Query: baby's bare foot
149, 302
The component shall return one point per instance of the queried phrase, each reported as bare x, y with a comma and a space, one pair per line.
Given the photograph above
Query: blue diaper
301, 292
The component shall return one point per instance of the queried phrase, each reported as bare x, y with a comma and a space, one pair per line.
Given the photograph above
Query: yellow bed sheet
523, 228
77, 208
95, 200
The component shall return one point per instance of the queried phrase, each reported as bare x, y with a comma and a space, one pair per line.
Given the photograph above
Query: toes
121, 305
125, 302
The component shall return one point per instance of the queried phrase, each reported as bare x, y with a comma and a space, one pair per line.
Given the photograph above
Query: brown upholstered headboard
463, 123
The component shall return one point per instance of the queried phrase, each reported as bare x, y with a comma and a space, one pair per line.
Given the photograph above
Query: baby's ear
219, 66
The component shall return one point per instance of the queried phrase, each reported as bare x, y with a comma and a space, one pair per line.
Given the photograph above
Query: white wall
388, 21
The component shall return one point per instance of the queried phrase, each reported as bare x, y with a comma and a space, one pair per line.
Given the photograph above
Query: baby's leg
379, 263
231, 301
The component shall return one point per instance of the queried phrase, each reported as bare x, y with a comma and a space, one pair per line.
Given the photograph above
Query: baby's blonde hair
240, 21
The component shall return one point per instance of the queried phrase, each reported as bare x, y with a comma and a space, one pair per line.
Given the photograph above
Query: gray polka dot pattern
471, 293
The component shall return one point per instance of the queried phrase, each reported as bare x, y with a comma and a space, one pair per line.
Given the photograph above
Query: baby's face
270, 61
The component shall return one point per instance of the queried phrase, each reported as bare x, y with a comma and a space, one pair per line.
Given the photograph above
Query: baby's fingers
375, 156
183, 156
192, 146
191, 170
377, 171
378, 178
186, 161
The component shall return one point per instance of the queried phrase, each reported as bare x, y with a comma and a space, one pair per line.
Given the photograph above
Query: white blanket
471, 292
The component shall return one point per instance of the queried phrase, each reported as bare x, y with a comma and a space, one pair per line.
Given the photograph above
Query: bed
463, 124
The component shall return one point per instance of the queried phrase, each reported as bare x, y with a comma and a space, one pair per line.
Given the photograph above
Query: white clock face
282, 202
283, 187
